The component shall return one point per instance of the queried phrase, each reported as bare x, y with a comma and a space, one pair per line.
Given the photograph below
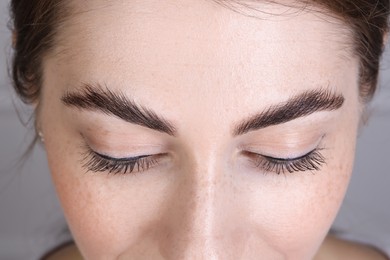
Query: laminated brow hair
117, 104
301, 105
101, 99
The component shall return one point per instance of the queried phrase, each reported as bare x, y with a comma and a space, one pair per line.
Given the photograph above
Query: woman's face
186, 130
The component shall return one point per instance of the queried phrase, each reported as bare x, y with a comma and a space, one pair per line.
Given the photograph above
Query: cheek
294, 213
106, 213
294, 218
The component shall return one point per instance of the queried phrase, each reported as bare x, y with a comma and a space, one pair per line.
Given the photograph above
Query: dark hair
369, 22
36, 22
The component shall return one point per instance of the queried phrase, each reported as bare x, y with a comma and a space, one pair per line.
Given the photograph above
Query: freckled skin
204, 67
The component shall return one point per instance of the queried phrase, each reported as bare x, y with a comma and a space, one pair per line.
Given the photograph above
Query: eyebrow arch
117, 104
298, 106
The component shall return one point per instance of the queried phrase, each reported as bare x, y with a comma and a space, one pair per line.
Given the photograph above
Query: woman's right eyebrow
117, 104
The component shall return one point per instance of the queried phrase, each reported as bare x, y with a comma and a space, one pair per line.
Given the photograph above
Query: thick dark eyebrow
298, 106
104, 100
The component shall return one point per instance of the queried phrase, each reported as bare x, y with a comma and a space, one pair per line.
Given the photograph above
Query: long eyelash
96, 162
313, 161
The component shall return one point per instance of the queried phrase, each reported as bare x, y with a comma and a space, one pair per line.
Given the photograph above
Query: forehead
193, 43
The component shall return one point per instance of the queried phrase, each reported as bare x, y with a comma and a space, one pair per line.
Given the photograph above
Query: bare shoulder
334, 248
68, 252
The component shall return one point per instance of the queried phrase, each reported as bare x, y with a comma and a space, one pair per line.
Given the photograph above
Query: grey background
31, 220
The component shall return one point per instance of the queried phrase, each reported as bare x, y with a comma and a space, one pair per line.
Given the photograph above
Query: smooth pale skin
205, 68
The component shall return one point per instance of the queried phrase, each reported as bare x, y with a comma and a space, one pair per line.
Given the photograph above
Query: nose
202, 219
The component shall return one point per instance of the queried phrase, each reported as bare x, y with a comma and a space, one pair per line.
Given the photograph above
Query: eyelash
96, 162
312, 161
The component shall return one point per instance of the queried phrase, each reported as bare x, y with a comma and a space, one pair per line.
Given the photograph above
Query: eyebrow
298, 106
102, 99
117, 104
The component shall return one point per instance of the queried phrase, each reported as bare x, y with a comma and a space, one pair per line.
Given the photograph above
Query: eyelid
288, 159
116, 145
124, 159
284, 150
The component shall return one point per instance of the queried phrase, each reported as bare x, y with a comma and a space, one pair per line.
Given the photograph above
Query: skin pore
271, 190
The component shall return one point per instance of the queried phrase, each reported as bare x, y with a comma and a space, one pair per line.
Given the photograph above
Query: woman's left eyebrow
301, 105
117, 104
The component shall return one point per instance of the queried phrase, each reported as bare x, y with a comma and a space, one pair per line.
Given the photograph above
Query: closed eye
312, 161
97, 162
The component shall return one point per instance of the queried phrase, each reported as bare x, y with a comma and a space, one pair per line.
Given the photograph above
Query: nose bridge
204, 206
194, 215
205, 181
